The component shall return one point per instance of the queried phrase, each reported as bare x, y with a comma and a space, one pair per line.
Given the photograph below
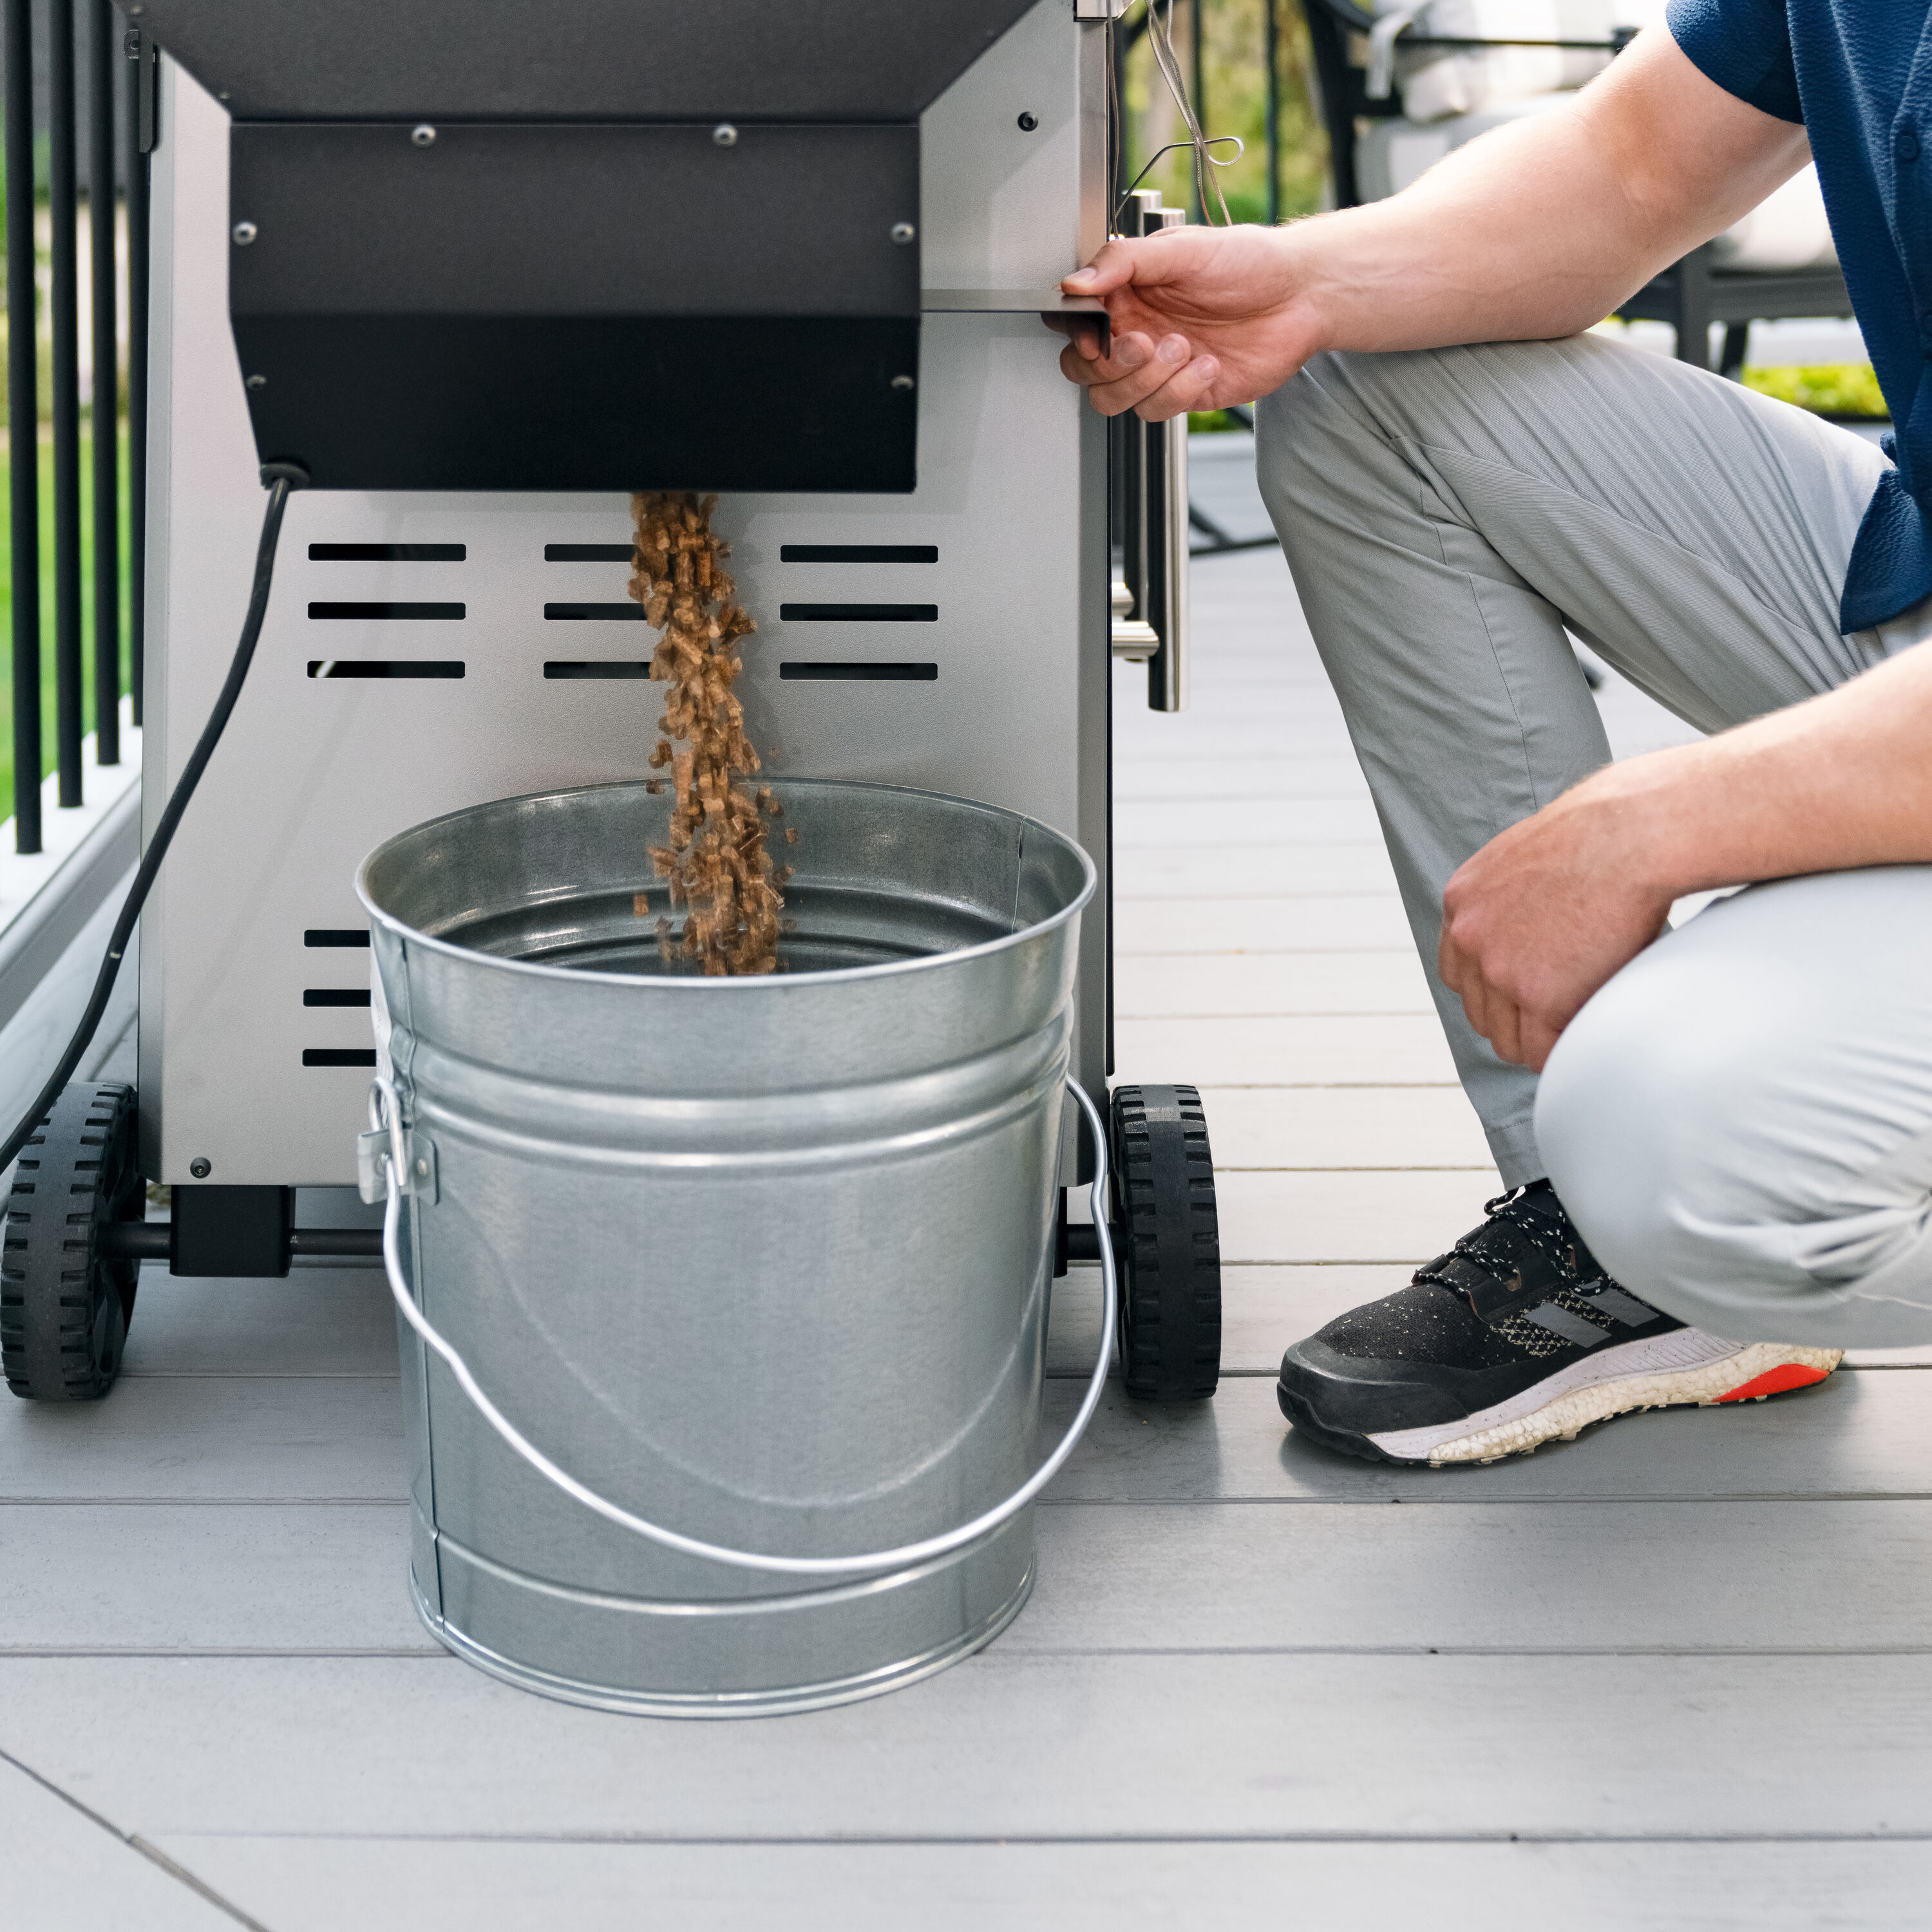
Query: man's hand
1547, 911
1540, 917
1202, 317
1535, 230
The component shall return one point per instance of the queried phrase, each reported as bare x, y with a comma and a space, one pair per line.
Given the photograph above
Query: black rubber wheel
1169, 1244
64, 1307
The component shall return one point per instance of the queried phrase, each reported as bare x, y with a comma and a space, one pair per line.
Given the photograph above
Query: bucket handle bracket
373, 1148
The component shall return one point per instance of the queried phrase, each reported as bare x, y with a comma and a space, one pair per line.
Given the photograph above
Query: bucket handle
385, 1104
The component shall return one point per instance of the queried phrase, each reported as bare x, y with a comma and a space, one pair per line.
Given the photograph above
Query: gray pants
1741, 1122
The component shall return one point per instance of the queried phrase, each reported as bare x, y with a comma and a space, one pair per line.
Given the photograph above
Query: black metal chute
598, 245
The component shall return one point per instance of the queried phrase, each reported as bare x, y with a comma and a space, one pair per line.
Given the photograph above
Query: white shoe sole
1686, 1366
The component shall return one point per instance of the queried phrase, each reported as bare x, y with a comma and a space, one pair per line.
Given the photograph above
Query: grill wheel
1169, 1243
64, 1307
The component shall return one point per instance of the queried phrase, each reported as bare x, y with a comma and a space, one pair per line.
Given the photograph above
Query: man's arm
1546, 912
1536, 230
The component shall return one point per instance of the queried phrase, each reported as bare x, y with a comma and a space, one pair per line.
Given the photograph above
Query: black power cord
281, 480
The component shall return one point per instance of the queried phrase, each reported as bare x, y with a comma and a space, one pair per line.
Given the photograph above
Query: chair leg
1737, 341
1693, 307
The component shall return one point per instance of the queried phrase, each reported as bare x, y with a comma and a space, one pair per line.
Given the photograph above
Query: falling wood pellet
715, 856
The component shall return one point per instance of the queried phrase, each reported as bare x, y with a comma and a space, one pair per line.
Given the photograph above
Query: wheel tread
64, 1320
1171, 1290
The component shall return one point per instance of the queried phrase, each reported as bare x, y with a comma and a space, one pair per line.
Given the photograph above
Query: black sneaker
1514, 1337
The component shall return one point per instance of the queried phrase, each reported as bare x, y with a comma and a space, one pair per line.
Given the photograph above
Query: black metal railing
119, 66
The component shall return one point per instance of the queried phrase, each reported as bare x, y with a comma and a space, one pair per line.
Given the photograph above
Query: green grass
47, 607
1847, 389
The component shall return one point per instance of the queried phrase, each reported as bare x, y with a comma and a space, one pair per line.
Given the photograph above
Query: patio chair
1401, 84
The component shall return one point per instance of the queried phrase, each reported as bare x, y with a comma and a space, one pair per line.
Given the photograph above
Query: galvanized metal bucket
723, 1301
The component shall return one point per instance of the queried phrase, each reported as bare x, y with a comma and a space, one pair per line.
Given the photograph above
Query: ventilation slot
817, 671
595, 667
594, 613
338, 1056
858, 552
860, 613
385, 667
336, 996
336, 935
589, 553
444, 612
320, 553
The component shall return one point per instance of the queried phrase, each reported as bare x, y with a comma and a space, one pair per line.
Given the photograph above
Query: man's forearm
1542, 227
1841, 781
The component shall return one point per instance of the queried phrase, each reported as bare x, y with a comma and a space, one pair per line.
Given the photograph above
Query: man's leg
1446, 513
1741, 1121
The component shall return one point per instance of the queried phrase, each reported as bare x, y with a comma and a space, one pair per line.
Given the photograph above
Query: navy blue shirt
1858, 74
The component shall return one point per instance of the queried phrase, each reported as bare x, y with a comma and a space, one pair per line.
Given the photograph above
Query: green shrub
1847, 389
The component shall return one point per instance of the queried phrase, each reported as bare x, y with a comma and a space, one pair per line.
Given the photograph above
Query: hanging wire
1160, 37
1175, 147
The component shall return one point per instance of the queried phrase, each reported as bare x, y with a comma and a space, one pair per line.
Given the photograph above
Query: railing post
1198, 60
100, 65
140, 109
23, 424
64, 330
1271, 54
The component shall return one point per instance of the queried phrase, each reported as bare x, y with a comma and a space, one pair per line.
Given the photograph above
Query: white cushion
1435, 82
1787, 229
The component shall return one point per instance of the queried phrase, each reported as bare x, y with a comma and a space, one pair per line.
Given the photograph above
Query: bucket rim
840, 975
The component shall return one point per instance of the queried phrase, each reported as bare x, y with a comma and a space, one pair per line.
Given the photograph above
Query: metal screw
258, 382
903, 232
422, 1167
244, 233
424, 135
1028, 122
201, 1169
902, 384
724, 135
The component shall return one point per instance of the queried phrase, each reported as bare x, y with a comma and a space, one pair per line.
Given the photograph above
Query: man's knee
1697, 1159
1633, 1144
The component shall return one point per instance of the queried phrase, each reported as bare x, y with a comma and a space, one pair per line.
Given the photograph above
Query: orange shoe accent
1774, 1382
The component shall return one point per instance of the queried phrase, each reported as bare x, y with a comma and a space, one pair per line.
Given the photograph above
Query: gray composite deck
1675, 1673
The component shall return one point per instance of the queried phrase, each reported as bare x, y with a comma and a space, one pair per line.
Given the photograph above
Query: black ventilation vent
594, 613
595, 667
818, 671
447, 612
336, 996
385, 667
858, 552
589, 553
322, 553
860, 613
338, 1056
336, 935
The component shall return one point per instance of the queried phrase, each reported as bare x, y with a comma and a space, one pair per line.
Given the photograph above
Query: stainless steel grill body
982, 672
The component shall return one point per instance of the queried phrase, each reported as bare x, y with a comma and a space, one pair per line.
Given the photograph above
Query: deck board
1010, 1745
65, 1871
1479, 1577
402, 1885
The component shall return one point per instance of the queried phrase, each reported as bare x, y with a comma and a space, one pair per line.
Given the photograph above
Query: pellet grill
482, 270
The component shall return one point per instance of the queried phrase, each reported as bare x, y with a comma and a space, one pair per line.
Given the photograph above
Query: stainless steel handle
1149, 474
